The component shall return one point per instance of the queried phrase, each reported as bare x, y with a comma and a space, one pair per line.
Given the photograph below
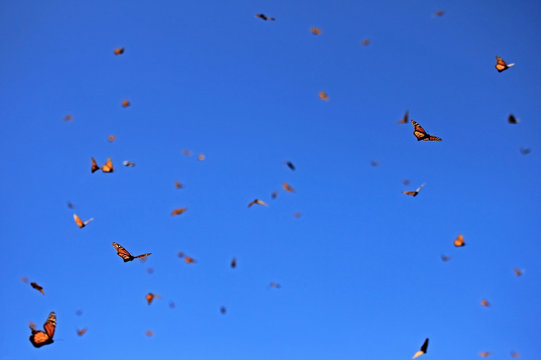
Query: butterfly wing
95, 166
500, 64
123, 253
78, 221
418, 131
108, 167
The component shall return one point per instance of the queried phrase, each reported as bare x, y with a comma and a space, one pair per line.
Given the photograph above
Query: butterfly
178, 211
512, 119
111, 138
189, 260
149, 333
315, 30
297, 215
459, 241
517, 272
81, 332
406, 182
125, 255
365, 42
374, 163
287, 187
485, 303
422, 350
80, 222
515, 354
126, 103
95, 166
323, 96
187, 152
404, 120
37, 287
108, 167
70, 205
178, 185
223, 310
502, 65
274, 194
40, 338
421, 134
150, 270
151, 296
201, 157
485, 354
128, 163
290, 165
525, 151
258, 202
414, 193
24, 279
264, 17
68, 118
119, 51
439, 13
274, 285
445, 258
234, 263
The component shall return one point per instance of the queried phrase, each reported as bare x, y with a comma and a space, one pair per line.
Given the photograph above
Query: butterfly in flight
316, 31
234, 263
323, 96
515, 354
422, 350
37, 287
287, 187
445, 258
374, 163
223, 310
81, 332
406, 182
95, 166
111, 138
459, 241
274, 285
40, 338
149, 333
70, 205
290, 165
365, 42
297, 215
178, 185
68, 117
512, 119
485, 353
125, 255
201, 157
80, 222
517, 271
125, 103
107, 168
119, 51
421, 134
264, 17
525, 151
414, 193
439, 13
151, 296
405, 119
187, 152
258, 202
502, 65
274, 194
128, 163
189, 260
485, 303
178, 211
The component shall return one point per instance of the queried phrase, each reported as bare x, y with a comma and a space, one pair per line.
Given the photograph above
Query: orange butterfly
287, 187
37, 287
315, 30
80, 222
178, 185
201, 157
459, 241
414, 193
274, 285
258, 202
40, 338
515, 354
421, 134
189, 260
81, 332
502, 65
119, 51
151, 296
108, 167
95, 166
125, 255
297, 215
485, 354
178, 211
485, 303
234, 263
518, 272
111, 138
149, 333
323, 96
126, 103
263, 17
512, 119
68, 117
422, 350
439, 13
404, 120
365, 42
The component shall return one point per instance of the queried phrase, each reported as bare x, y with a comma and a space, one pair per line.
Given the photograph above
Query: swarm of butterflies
39, 338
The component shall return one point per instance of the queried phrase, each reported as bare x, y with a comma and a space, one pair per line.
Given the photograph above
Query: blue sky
360, 271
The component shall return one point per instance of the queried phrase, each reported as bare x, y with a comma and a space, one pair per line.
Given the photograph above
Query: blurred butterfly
502, 65
264, 17
315, 30
445, 258
422, 350
365, 42
374, 163
79, 312
178, 185
149, 333
37, 287
126, 103
180, 254
150, 270
258, 202
274, 194
172, 305
119, 51
290, 165
150, 297
459, 241
68, 118
24, 279
406, 182
111, 138
40, 338
517, 271
201, 157
439, 13
323, 96
128, 163
80, 222
178, 211
485, 354
404, 120
32, 325
108, 167
512, 119
421, 134
525, 151
274, 285
297, 215
223, 310
414, 193
234, 263
515, 354
485, 303
125, 255
187, 152
70, 205
189, 260
287, 187
81, 332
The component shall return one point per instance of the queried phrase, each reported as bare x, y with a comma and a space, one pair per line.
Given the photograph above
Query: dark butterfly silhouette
264, 17
422, 350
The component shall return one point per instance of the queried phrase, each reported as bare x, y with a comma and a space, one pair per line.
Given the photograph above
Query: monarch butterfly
274, 285
68, 117
315, 30
111, 138
40, 338
201, 157
323, 96
422, 350
125, 255
70, 205
108, 167
234, 263
406, 182
445, 258
128, 163
81, 332
178, 185
263, 17
287, 187
459, 241
119, 51
404, 120
151, 296
80, 222
150, 270
512, 119
187, 152
297, 215
374, 163
421, 134
180, 254
290, 165
414, 193
439, 13
525, 151
258, 202
485, 303
178, 211
149, 333
515, 354
37, 287
485, 354
126, 103
95, 166
517, 272
365, 42
223, 310
189, 260
502, 65
274, 194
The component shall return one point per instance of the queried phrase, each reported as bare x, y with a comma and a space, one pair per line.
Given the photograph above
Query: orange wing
421, 134
126, 103
80, 222
189, 260
315, 30
119, 51
178, 211
111, 138
95, 166
108, 167
37, 287
485, 303
485, 354
459, 241
287, 187
404, 120
81, 332
517, 271
258, 202
150, 297
323, 96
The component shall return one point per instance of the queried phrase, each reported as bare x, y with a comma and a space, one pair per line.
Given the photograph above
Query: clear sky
360, 271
